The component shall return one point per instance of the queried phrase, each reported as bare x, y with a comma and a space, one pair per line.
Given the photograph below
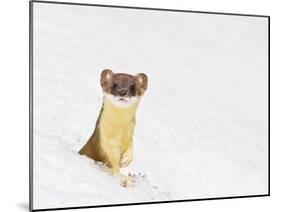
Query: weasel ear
106, 77
141, 81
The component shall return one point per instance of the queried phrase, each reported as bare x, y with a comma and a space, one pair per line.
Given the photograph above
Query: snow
201, 128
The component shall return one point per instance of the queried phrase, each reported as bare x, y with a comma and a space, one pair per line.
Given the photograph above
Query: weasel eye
132, 88
114, 86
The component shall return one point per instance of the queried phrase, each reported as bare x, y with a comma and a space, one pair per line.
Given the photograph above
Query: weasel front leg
127, 157
114, 159
113, 156
127, 147
110, 144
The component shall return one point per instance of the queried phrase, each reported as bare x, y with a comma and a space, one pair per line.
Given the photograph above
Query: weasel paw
128, 180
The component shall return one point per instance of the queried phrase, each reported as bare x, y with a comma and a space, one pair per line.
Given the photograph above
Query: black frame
31, 103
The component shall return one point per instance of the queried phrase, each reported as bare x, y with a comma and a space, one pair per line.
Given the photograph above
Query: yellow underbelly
117, 126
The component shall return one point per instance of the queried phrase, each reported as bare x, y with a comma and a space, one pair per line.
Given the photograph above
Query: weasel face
123, 90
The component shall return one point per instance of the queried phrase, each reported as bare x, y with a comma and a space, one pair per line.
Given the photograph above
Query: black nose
122, 92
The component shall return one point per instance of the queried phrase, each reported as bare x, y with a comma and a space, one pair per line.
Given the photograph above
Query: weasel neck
118, 113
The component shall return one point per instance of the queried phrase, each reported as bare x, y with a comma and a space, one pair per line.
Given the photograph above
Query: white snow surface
201, 128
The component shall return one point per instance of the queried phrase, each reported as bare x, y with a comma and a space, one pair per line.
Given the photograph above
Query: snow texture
201, 128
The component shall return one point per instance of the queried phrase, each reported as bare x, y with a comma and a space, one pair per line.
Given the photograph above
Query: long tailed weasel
112, 139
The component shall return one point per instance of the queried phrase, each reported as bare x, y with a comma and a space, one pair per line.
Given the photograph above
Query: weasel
112, 139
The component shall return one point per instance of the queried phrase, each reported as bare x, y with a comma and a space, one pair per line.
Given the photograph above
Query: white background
14, 107
209, 125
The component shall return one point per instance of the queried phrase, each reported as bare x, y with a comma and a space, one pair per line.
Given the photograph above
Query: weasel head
123, 90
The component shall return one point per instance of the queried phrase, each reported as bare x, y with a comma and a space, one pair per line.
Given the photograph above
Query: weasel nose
122, 92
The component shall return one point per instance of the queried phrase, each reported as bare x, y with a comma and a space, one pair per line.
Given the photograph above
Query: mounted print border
31, 102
